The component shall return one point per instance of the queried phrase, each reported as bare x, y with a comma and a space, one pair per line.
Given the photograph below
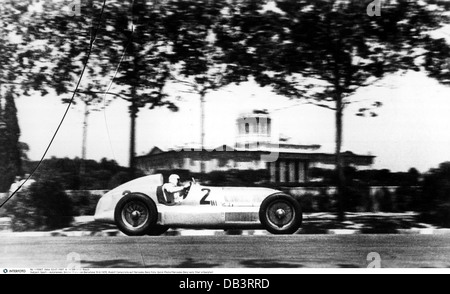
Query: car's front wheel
280, 214
135, 213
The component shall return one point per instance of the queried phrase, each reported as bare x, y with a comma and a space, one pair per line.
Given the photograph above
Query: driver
173, 190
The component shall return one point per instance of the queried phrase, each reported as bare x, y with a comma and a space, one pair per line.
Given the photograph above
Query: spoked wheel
280, 214
135, 214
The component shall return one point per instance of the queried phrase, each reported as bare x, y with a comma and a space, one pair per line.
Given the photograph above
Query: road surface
293, 251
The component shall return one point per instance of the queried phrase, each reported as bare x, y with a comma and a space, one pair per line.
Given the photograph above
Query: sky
412, 128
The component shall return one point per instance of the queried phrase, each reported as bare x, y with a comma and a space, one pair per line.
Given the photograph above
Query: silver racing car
140, 207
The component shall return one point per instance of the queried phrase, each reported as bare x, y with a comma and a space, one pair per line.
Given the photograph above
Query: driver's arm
174, 189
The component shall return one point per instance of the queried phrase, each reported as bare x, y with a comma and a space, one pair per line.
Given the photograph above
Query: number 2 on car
203, 201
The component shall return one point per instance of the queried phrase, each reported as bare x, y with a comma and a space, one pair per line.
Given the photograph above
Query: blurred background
354, 105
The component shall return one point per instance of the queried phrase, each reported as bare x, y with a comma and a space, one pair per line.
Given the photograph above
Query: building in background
255, 149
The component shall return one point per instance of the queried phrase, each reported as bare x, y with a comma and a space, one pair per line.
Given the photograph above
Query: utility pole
84, 142
202, 121
202, 127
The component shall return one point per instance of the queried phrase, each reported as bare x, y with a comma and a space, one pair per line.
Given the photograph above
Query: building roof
285, 151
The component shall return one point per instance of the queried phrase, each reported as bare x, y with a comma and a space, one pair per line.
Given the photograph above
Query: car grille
241, 217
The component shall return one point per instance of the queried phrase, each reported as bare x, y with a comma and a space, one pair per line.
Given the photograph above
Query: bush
44, 206
435, 200
306, 202
355, 198
83, 202
77, 174
123, 177
324, 201
407, 198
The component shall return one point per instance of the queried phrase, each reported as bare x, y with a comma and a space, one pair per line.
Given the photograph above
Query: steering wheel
186, 190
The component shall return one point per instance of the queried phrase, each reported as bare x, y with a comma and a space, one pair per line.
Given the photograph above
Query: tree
70, 40
126, 46
198, 62
12, 135
20, 57
189, 29
437, 60
145, 70
97, 175
324, 51
21, 71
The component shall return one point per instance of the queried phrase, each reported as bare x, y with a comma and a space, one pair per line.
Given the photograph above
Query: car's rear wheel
280, 214
135, 213
157, 230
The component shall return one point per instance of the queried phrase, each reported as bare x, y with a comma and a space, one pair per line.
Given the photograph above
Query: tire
156, 230
280, 214
135, 213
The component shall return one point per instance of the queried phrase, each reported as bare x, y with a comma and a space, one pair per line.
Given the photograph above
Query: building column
292, 172
301, 172
187, 163
282, 171
272, 170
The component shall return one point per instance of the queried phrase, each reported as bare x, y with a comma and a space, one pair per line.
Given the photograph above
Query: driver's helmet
174, 179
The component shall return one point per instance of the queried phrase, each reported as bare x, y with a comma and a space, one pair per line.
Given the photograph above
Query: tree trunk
202, 120
202, 132
339, 165
84, 142
133, 115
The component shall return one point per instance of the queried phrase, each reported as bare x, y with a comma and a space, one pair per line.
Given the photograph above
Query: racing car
139, 207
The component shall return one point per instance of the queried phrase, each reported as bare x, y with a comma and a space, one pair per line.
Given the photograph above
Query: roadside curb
343, 232
187, 232
108, 233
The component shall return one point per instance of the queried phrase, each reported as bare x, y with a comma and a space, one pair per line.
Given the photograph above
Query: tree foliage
21, 71
102, 175
198, 62
324, 51
123, 44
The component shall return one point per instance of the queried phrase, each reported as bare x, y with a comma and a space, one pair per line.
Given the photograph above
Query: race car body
140, 207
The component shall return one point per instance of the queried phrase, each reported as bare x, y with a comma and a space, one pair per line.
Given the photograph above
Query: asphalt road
293, 251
